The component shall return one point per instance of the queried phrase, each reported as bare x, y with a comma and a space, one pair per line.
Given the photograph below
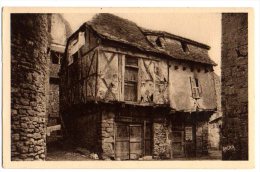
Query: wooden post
144, 153
123, 77
97, 53
120, 77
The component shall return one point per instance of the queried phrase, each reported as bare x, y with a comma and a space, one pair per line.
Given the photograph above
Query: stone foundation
107, 134
28, 86
93, 130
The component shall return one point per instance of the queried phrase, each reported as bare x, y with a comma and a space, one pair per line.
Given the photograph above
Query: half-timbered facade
131, 93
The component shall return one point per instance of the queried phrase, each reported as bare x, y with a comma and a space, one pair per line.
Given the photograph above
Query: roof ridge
114, 28
174, 36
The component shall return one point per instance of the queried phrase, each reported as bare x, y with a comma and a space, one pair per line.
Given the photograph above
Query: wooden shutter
131, 78
195, 88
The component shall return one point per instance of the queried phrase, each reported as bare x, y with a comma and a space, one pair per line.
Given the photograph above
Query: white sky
201, 27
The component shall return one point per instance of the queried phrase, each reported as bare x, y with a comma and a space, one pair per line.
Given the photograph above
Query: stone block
15, 137
108, 140
37, 136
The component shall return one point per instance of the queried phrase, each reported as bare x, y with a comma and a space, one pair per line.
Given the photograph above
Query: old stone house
127, 92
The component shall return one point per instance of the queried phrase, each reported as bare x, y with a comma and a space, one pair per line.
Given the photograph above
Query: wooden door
122, 142
147, 139
135, 141
177, 143
129, 141
178, 140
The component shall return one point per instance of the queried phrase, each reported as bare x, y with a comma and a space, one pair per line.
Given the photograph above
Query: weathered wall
215, 134
235, 85
84, 128
201, 138
53, 104
78, 79
107, 135
93, 129
108, 84
161, 140
215, 121
152, 77
180, 94
154, 81
60, 29
29, 40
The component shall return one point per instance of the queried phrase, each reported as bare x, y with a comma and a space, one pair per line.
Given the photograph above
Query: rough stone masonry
235, 86
29, 40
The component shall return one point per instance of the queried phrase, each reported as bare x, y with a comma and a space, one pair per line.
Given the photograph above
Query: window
195, 88
74, 46
55, 57
188, 133
185, 47
158, 42
131, 78
196, 82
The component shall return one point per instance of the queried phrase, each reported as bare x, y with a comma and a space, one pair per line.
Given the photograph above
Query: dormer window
185, 47
159, 42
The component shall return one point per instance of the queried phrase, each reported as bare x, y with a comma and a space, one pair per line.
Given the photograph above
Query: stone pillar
235, 86
29, 41
161, 141
107, 135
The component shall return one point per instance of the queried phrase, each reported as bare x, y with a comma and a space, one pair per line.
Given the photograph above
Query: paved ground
66, 156
74, 155
215, 154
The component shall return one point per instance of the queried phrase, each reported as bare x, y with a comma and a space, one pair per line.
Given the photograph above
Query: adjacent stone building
235, 85
59, 30
128, 92
29, 86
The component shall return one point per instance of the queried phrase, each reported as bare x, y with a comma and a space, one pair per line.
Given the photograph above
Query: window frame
196, 90
134, 83
57, 55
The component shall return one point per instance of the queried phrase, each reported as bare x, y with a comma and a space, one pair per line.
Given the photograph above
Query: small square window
55, 57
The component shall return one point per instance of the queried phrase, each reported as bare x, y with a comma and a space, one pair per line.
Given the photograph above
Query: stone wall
235, 85
53, 106
29, 40
53, 111
161, 141
84, 129
94, 130
107, 133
